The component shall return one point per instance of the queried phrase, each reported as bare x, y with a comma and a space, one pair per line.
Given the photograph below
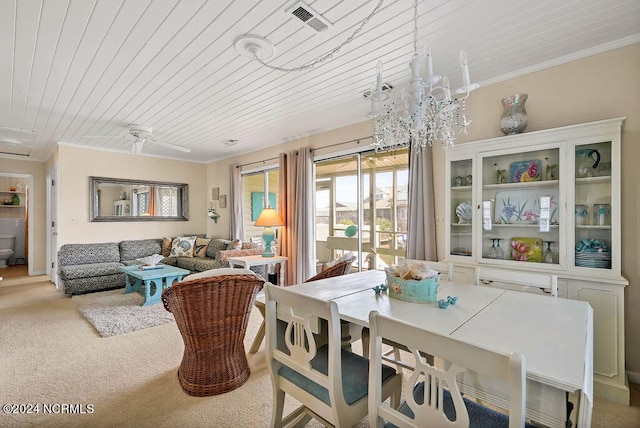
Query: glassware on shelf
551, 171
601, 214
500, 251
501, 174
492, 252
549, 257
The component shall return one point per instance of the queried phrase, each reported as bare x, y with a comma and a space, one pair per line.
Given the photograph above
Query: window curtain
295, 206
421, 226
236, 227
152, 201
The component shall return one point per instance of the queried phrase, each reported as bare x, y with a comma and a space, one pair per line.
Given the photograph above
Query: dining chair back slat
329, 382
432, 396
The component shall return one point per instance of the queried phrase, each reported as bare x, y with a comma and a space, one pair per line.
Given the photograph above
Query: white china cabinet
548, 200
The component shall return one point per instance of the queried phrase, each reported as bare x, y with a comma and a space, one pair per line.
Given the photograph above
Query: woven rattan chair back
338, 269
212, 315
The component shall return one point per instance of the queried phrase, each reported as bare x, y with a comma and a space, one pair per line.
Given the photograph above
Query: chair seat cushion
355, 376
479, 416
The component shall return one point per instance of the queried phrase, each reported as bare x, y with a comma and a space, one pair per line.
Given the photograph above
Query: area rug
112, 312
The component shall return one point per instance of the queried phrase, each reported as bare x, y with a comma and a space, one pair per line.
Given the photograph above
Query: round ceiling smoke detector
254, 46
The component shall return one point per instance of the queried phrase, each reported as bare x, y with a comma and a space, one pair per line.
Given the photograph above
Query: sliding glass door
361, 206
259, 191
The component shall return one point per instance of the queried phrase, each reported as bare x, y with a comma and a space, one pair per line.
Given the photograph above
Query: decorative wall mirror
115, 199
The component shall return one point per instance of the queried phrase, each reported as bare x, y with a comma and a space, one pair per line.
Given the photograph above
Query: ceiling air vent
16, 151
308, 17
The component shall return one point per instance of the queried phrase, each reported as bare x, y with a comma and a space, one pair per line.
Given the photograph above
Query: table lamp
268, 218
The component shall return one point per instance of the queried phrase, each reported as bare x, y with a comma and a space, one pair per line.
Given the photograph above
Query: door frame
29, 224
52, 219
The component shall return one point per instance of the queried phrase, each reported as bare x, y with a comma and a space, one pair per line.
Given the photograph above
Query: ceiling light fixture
260, 49
419, 118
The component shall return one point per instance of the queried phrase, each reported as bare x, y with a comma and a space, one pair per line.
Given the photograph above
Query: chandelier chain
331, 53
415, 27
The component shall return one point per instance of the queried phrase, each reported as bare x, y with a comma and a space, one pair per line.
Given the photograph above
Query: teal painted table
155, 280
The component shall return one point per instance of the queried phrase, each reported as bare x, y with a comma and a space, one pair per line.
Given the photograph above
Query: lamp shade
269, 217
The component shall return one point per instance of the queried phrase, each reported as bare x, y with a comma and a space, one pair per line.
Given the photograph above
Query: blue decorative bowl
411, 290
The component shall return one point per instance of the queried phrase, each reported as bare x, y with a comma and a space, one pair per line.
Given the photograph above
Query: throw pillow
182, 246
218, 272
216, 245
200, 249
236, 244
166, 246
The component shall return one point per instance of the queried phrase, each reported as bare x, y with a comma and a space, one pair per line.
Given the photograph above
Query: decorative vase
15, 200
514, 116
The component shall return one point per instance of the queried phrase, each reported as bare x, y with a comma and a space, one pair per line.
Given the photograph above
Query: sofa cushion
89, 270
77, 254
189, 263
171, 261
215, 246
182, 246
200, 249
201, 264
95, 283
136, 249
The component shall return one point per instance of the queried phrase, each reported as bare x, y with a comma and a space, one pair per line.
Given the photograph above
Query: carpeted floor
50, 354
112, 312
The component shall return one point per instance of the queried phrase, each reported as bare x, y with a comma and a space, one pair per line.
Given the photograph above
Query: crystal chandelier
427, 113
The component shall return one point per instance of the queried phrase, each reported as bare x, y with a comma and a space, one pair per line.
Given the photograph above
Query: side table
248, 261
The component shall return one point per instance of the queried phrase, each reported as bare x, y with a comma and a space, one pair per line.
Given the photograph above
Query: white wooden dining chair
329, 381
432, 396
518, 280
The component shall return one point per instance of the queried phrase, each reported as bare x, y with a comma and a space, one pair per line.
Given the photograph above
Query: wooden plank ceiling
76, 68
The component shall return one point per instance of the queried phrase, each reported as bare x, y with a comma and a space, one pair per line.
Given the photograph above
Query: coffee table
155, 280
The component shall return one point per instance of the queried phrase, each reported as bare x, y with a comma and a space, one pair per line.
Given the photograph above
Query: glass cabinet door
461, 221
592, 210
520, 208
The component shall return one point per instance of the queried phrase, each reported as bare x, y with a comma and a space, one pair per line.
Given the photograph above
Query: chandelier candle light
420, 118
268, 218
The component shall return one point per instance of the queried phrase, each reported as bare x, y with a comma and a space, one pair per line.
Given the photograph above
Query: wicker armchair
338, 269
212, 315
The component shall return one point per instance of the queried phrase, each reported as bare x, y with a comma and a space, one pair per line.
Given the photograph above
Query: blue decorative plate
351, 231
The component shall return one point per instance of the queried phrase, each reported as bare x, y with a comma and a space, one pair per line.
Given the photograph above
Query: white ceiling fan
141, 135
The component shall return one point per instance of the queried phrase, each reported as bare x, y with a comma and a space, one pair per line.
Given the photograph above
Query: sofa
86, 268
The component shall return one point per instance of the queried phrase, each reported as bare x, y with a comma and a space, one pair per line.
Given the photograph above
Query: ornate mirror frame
117, 199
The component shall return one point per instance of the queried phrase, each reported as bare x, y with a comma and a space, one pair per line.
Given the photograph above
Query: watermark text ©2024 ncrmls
63, 408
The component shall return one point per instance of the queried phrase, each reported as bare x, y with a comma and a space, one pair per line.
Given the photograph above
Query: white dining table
555, 335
